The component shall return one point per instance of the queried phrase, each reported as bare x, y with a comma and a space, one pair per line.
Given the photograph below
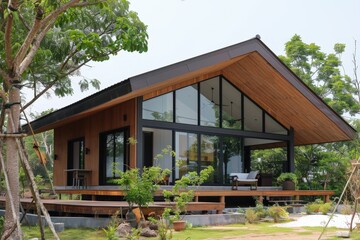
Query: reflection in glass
186, 151
209, 103
160, 140
77, 152
231, 106
271, 126
114, 153
232, 157
210, 150
159, 108
186, 105
253, 116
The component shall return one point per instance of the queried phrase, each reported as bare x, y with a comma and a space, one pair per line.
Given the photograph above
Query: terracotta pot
179, 225
288, 185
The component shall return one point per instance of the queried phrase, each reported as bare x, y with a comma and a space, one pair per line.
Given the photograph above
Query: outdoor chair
250, 178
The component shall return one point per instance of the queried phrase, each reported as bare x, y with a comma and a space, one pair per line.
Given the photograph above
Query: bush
261, 212
325, 208
346, 209
318, 206
251, 215
277, 212
288, 176
2, 222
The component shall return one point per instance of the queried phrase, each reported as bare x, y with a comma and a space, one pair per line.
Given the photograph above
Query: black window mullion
198, 104
220, 100
198, 152
174, 106
113, 155
242, 112
263, 121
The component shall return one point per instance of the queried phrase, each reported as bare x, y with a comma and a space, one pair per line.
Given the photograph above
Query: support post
290, 151
247, 159
139, 138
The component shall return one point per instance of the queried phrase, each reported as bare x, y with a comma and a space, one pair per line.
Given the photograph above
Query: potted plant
288, 180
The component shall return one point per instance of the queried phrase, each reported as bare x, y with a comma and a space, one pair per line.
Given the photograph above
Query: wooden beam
13, 135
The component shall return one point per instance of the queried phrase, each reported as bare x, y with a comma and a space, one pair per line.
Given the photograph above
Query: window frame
103, 179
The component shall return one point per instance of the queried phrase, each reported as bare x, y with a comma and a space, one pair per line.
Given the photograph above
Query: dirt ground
299, 234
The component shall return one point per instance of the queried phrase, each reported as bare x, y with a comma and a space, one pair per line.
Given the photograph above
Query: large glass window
253, 116
113, 152
159, 108
210, 102
232, 156
272, 126
155, 141
210, 156
186, 105
231, 106
186, 148
76, 154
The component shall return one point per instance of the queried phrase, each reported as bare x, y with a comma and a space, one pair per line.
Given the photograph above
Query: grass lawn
256, 231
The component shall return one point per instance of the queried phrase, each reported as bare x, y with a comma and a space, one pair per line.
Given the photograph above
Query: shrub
277, 212
325, 208
261, 212
318, 206
251, 215
2, 222
287, 176
346, 209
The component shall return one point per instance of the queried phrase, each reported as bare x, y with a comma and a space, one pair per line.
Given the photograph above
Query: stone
123, 230
147, 232
144, 223
59, 227
153, 226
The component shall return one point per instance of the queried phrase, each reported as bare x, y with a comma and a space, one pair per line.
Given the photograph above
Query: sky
182, 29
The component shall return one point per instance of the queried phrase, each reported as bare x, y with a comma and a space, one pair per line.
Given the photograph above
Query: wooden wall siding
262, 83
90, 128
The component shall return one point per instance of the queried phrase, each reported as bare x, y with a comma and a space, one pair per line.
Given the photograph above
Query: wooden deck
96, 208
261, 193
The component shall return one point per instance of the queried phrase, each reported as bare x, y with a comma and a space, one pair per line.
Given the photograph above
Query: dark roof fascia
151, 78
144, 80
103, 96
193, 64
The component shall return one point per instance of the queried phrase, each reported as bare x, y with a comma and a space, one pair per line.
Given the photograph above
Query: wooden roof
252, 67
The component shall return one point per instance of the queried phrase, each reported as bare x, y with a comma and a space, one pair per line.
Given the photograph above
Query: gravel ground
338, 221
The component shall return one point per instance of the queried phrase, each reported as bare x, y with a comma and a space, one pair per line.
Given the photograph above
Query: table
80, 176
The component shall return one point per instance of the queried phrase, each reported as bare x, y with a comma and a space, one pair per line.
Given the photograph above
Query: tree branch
42, 25
7, 40
24, 22
86, 4
51, 84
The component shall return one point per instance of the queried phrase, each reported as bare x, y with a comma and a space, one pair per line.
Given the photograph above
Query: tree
322, 73
43, 44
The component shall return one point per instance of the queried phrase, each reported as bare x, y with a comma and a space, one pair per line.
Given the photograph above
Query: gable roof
252, 67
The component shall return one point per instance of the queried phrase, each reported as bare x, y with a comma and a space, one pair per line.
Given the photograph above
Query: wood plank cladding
187, 79
262, 83
90, 128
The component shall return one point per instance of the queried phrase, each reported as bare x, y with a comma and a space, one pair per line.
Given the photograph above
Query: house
213, 109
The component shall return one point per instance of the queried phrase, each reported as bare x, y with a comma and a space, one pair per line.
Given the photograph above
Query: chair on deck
250, 178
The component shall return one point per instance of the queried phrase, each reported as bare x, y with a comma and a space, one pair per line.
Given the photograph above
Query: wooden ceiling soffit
262, 83
186, 79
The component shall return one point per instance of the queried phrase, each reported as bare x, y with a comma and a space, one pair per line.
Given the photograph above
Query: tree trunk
12, 160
